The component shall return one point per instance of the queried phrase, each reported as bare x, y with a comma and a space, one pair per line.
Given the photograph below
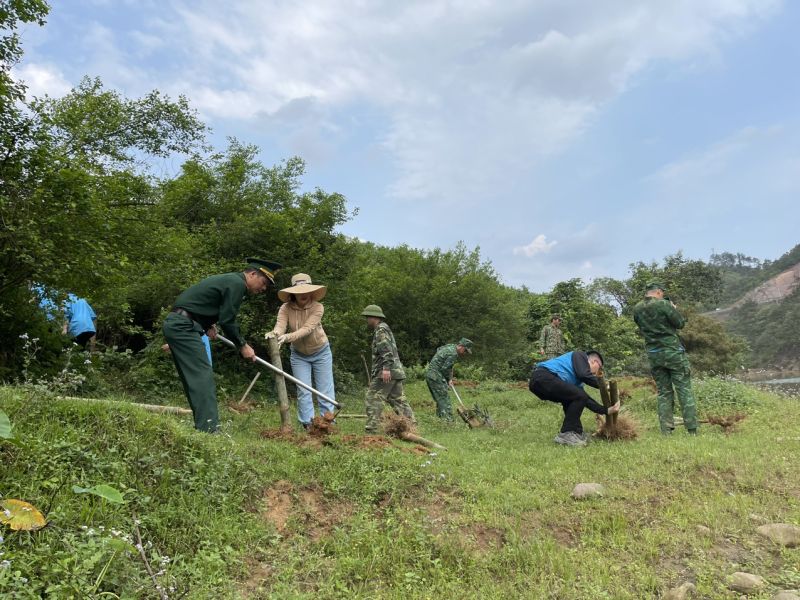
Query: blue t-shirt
80, 316
49, 307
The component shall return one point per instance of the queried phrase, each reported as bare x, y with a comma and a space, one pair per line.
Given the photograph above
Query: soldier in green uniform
659, 320
215, 299
551, 340
440, 372
386, 378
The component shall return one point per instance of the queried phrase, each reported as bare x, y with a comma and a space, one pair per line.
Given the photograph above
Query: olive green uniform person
551, 339
659, 321
387, 374
440, 372
215, 299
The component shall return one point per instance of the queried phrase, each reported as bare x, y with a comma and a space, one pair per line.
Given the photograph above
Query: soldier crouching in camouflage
440, 372
659, 320
387, 375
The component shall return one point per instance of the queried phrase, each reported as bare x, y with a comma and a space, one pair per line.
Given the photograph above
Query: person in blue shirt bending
80, 321
561, 380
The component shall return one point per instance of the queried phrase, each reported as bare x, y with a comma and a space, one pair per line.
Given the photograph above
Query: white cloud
42, 79
538, 245
471, 95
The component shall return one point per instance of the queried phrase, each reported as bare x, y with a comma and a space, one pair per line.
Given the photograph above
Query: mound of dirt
397, 425
727, 422
322, 426
627, 428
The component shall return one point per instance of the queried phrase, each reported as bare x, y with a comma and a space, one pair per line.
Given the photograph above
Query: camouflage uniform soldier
387, 374
440, 372
659, 320
551, 340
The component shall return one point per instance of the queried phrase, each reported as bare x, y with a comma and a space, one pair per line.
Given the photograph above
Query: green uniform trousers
391, 393
184, 338
437, 385
671, 371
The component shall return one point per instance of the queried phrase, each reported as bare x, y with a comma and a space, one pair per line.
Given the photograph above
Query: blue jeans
320, 365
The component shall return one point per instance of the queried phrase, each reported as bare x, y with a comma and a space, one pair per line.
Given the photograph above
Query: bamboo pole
250, 387
280, 384
413, 437
366, 369
614, 390
350, 416
605, 396
155, 408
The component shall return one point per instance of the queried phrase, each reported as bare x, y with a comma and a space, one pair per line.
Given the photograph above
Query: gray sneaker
569, 438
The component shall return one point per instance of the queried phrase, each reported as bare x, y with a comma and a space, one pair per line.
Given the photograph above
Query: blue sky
565, 138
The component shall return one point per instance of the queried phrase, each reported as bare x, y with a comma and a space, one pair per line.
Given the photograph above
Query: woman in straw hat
301, 314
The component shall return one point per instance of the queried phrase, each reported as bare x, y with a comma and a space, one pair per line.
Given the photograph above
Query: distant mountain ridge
773, 290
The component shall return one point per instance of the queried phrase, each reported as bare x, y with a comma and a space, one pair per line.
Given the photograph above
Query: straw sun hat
301, 284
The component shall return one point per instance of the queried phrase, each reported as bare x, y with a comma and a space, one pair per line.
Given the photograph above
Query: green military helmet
655, 285
373, 310
467, 344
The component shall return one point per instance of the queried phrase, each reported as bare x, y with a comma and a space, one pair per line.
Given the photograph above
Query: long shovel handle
457, 396
294, 380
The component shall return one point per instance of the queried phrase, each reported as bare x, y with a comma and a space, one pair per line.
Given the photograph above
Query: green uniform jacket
384, 353
659, 322
443, 361
216, 299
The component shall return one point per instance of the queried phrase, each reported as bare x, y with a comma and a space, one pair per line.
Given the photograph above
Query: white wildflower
4, 564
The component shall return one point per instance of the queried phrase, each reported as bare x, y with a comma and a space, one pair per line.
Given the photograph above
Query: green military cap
466, 343
555, 316
373, 310
655, 285
267, 267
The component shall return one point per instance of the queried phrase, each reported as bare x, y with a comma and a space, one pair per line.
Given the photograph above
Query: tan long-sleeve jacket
307, 335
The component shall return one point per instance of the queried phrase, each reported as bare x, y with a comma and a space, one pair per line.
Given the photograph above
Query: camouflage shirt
384, 353
552, 341
659, 322
443, 361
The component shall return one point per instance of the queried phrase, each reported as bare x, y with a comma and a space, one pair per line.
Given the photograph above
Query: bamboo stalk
155, 408
350, 416
412, 437
614, 389
605, 397
250, 387
280, 384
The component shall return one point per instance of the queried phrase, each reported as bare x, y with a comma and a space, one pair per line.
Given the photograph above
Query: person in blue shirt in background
561, 380
80, 321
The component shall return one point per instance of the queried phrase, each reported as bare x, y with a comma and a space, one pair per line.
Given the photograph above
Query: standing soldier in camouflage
386, 378
659, 321
439, 374
551, 340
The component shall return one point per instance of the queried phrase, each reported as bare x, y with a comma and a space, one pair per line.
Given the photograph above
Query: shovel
294, 380
470, 417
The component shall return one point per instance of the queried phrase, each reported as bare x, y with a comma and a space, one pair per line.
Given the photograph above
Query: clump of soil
627, 428
322, 426
397, 425
727, 422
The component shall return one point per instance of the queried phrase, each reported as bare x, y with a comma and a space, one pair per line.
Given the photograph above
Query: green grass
490, 517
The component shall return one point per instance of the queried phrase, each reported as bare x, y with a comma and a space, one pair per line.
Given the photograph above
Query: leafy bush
723, 395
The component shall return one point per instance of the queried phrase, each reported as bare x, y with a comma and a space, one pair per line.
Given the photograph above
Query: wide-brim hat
301, 284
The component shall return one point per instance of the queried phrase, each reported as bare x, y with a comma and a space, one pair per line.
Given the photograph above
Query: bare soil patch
314, 515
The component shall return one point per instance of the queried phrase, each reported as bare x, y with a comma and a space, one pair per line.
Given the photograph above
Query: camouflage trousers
672, 375
391, 393
441, 395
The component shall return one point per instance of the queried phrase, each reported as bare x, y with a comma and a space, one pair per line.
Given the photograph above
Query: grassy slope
491, 517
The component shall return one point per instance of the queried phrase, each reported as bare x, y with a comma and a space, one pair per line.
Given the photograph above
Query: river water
785, 385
